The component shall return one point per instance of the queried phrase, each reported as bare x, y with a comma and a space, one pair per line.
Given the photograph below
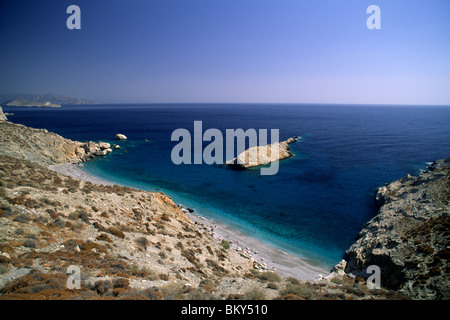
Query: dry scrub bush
172, 291
142, 242
255, 293
304, 291
269, 276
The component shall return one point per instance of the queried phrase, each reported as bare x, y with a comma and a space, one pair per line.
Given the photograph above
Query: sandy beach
285, 264
76, 171
274, 259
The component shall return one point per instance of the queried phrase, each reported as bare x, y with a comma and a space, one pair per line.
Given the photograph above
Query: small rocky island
262, 155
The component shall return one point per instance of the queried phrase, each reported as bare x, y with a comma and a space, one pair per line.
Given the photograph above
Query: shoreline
274, 259
73, 170
265, 255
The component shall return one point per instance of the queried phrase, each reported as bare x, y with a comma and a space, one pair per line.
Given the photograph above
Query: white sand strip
76, 171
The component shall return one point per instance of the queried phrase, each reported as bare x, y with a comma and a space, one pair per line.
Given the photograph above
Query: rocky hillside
409, 238
125, 243
43, 147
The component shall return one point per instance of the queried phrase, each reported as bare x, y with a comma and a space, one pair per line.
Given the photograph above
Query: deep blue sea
317, 202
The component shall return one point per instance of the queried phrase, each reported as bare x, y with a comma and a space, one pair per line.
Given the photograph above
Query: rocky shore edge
409, 238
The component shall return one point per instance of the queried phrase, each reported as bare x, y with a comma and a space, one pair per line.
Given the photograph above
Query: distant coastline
39, 100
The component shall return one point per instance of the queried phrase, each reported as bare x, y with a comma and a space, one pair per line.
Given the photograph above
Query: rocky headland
262, 155
38, 100
27, 103
45, 148
134, 244
409, 238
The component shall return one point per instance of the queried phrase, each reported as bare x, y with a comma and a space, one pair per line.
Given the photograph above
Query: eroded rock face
409, 237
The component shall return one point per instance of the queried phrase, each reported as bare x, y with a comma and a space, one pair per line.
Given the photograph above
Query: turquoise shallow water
317, 202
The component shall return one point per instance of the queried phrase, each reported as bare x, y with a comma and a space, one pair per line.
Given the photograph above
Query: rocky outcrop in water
262, 155
120, 136
409, 238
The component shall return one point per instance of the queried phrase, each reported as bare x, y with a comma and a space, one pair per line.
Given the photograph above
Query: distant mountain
38, 100
28, 103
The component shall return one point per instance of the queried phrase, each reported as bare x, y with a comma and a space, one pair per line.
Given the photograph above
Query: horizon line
286, 103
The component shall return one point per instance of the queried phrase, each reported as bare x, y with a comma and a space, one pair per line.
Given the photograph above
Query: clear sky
297, 51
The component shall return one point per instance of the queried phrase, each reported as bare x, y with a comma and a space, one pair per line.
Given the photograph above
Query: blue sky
290, 51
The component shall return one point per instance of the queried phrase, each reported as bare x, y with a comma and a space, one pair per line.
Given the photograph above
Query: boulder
90, 147
80, 152
120, 136
104, 145
101, 152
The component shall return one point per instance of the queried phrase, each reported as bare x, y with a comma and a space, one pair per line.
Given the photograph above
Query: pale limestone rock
120, 136
261, 155
104, 145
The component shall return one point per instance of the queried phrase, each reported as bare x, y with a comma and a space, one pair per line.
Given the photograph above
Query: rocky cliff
409, 238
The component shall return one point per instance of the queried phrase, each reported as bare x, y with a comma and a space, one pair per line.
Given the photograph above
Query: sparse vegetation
226, 245
255, 293
142, 242
303, 291
269, 276
116, 232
